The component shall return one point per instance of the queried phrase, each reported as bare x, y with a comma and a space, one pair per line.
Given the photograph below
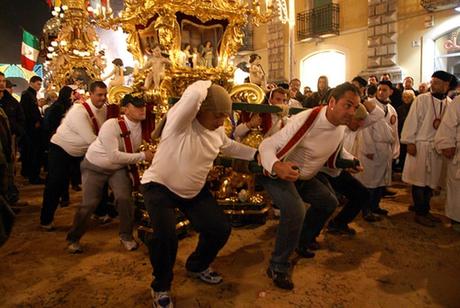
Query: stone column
275, 51
382, 39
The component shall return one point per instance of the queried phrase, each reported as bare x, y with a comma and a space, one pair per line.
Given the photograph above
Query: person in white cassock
108, 160
423, 166
378, 146
447, 142
191, 139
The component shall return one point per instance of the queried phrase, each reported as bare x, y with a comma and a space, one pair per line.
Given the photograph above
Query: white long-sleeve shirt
108, 150
76, 132
187, 150
312, 152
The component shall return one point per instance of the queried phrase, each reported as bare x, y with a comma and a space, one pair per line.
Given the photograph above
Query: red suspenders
92, 117
129, 149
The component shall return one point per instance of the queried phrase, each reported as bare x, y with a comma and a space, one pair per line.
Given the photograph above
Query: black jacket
14, 112
30, 107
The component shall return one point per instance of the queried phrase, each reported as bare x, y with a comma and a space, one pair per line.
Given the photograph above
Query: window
329, 63
447, 52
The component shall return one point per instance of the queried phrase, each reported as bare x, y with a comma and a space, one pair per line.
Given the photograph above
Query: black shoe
371, 217
380, 211
340, 230
433, 218
388, 193
281, 280
305, 252
37, 181
314, 246
424, 221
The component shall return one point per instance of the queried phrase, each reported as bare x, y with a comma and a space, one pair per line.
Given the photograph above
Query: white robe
426, 167
448, 136
380, 139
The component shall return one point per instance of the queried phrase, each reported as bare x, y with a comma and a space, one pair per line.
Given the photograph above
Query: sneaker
129, 245
305, 252
208, 276
74, 247
424, 221
340, 230
102, 219
380, 211
280, 279
161, 299
49, 227
371, 217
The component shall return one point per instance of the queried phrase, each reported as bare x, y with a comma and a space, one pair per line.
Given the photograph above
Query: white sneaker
161, 299
74, 248
48, 227
208, 276
129, 245
102, 219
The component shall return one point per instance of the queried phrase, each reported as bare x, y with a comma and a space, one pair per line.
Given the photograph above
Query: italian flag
29, 50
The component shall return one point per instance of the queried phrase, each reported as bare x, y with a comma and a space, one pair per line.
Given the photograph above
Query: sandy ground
393, 263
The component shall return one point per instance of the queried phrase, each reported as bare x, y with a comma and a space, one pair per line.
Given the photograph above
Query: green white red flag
29, 50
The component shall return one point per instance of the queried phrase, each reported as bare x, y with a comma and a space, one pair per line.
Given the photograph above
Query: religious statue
256, 72
208, 54
156, 66
117, 74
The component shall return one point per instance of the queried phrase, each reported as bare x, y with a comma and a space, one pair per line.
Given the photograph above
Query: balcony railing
322, 21
437, 5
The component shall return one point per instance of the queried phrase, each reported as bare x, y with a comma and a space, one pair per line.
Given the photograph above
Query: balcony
320, 22
437, 5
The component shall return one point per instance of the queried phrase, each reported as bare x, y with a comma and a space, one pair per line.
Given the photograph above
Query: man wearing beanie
107, 161
191, 139
423, 165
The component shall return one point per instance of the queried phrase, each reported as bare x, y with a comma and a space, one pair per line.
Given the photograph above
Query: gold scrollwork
247, 92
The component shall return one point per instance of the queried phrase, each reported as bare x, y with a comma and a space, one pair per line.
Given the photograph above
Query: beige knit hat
361, 112
218, 100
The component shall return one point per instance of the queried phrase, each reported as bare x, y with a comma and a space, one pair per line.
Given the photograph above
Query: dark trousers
57, 181
205, 216
323, 201
421, 197
356, 193
376, 195
33, 154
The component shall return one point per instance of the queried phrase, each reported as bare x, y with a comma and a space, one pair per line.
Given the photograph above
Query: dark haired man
32, 141
294, 157
68, 146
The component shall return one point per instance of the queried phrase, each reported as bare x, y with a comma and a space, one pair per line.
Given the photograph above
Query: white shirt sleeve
181, 115
411, 124
271, 145
241, 131
234, 149
109, 136
447, 132
375, 115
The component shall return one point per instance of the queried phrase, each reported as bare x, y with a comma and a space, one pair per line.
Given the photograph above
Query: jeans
356, 193
205, 216
298, 226
94, 179
376, 195
57, 181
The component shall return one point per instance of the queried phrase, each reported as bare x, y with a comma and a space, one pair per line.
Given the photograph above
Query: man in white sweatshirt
107, 161
191, 139
295, 155
68, 146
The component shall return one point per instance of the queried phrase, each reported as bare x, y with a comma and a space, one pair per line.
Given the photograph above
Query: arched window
447, 52
330, 63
